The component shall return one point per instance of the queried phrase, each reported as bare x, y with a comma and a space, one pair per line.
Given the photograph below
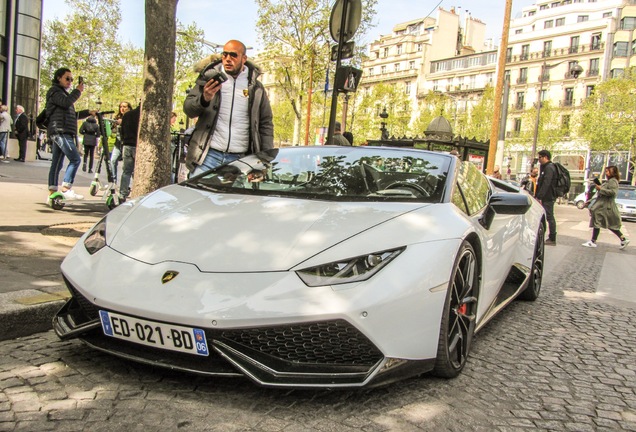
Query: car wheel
580, 205
458, 320
531, 293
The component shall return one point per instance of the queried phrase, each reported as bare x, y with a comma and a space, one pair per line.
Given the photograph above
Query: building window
595, 43
542, 96
407, 87
517, 126
569, 96
518, 31
419, 47
386, 51
582, 18
525, 52
370, 71
628, 23
543, 7
620, 49
396, 67
589, 90
547, 48
523, 76
383, 69
593, 69
574, 44
634, 47
556, 4
548, 24
508, 55
399, 49
520, 104
412, 64
559, 22
617, 73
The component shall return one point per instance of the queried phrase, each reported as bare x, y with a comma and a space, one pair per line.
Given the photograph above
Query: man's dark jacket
130, 127
21, 127
547, 182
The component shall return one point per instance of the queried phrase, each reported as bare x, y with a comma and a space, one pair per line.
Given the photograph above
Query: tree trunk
152, 164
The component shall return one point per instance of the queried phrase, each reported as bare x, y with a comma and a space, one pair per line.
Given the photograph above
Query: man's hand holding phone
80, 83
214, 80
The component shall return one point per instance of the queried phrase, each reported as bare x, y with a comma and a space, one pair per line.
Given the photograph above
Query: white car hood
238, 233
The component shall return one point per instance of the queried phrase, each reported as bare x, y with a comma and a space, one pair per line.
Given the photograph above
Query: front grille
89, 309
327, 342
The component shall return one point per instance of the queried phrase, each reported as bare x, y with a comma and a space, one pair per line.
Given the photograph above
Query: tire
57, 203
580, 205
458, 320
111, 202
531, 293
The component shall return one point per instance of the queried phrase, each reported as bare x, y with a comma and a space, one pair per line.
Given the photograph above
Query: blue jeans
128, 170
3, 143
114, 161
63, 145
215, 158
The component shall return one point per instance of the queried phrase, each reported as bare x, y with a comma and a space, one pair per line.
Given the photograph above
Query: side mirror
505, 203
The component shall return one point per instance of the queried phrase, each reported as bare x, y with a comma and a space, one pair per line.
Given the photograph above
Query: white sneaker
589, 243
624, 243
70, 195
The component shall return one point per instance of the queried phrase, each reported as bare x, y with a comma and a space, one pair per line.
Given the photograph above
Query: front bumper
319, 354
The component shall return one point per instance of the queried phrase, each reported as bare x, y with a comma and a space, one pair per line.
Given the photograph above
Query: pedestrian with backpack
604, 212
546, 192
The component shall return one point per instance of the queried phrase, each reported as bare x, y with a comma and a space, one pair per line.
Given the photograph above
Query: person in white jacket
5, 127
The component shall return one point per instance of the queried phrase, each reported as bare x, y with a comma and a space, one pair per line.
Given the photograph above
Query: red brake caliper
462, 309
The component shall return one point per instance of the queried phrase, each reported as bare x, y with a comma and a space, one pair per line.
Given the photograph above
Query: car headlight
96, 238
348, 270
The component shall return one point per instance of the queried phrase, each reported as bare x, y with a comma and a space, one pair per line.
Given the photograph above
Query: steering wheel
411, 186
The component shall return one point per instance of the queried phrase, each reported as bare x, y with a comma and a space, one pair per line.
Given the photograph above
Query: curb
23, 313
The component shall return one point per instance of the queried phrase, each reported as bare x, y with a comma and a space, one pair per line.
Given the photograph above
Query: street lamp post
574, 72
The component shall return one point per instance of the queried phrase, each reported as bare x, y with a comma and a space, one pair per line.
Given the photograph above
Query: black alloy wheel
531, 293
458, 320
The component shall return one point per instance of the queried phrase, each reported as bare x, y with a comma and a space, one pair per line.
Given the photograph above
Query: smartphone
80, 80
213, 74
597, 181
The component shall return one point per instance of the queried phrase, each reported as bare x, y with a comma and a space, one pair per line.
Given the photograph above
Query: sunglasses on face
69, 79
232, 54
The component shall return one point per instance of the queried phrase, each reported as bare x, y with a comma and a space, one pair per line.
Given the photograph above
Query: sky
222, 20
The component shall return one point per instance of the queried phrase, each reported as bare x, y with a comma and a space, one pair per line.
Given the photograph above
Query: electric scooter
110, 190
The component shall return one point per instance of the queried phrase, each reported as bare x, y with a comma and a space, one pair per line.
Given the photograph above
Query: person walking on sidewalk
6, 123
90, 130
604, 212
546, 195
129, 134
62, 130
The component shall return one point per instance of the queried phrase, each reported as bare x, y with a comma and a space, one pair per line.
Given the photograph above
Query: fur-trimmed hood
216, 58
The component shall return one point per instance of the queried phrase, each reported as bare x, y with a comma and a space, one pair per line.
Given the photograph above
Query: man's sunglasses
69, 79
230, 53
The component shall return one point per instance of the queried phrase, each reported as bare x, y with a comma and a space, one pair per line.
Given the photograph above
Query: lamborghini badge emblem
168, 276
245, 92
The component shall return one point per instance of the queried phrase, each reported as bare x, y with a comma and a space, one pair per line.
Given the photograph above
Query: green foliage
550, 131
608, 116
371, 103
298, 43
479, 117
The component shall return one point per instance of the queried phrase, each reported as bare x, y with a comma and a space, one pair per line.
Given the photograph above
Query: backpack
42, 120
562, 184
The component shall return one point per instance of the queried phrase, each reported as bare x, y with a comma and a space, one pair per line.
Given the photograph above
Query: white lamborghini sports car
308, 267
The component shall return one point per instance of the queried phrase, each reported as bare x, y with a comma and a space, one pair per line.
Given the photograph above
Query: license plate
160, 335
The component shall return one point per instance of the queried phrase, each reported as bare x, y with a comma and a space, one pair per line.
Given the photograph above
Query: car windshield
334, 173
626, 194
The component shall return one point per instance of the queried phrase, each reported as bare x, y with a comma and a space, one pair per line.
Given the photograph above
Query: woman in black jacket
62, 129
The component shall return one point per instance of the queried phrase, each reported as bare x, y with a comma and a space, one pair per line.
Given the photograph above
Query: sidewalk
34, 239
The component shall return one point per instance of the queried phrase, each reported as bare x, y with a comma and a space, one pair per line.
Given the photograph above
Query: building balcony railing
519, 106
522, 80
538, 55
592, 72
566, 103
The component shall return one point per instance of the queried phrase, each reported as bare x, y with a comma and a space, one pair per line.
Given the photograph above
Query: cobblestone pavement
563, 363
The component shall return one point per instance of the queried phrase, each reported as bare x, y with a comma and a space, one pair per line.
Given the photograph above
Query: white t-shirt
232, 131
